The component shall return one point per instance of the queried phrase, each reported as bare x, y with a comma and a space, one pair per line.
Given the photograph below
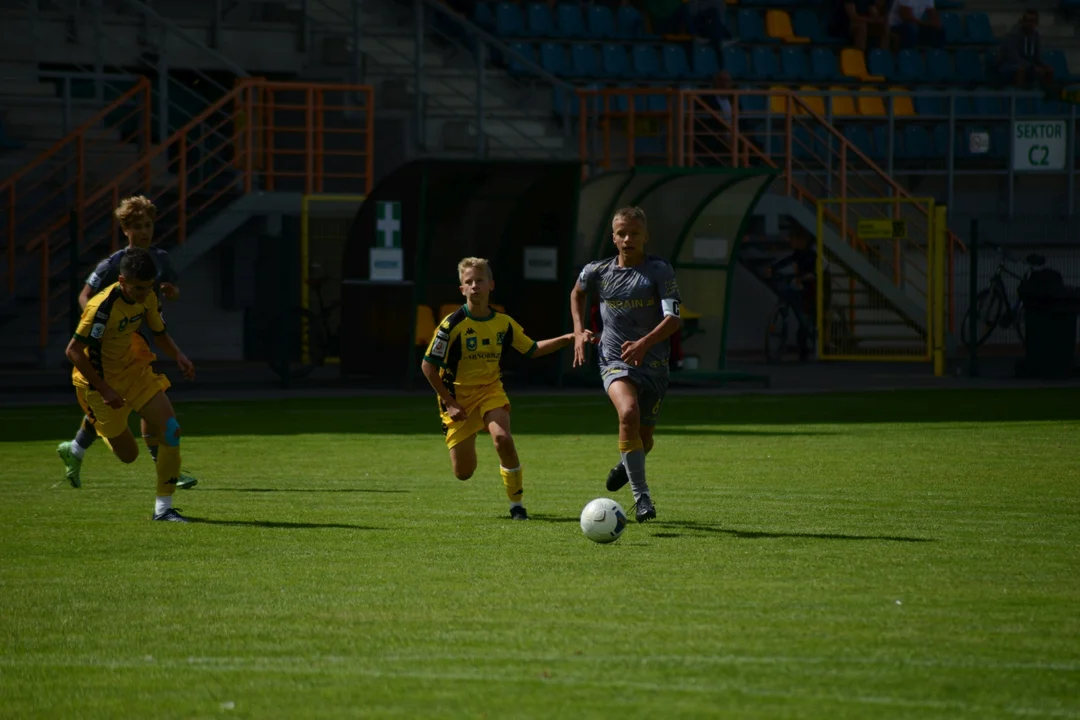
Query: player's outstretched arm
170, 348
546, 347
76, 355
577, 312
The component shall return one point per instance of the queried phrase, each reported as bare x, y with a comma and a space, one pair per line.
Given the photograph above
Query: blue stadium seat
938, 67
763, 63
941, 141
860, 137
753, 104
656, 103
539, 22
977, 30
926, 105
553, 59
629, 23
969, 66
917, 142
805, 23
802, 143
989, 105
823, 67
601, 22
483, 17
674, 63
593, 103
704, 63
962, 105
752, 27
954, 28
880, 62
1027, 106
583, 61
568, 21
645, 63
735, 62
910, 67
793, 64
515, 66
613, 60
879, 145
508, 21
1056, 60
999, 141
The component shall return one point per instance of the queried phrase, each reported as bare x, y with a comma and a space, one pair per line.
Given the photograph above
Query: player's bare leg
124, 447
185, 480
624, 396
161, 422
498, 425
463, 458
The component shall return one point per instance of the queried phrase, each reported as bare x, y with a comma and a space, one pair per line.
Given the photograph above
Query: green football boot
72, 464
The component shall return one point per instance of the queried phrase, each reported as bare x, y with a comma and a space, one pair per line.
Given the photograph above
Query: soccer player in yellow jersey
113, 375
462, 363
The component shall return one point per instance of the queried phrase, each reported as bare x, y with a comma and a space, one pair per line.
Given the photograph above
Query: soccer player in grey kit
639, 308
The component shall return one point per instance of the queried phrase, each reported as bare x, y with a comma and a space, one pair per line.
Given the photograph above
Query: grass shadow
762, 535
554, 519
300, 490
280, 525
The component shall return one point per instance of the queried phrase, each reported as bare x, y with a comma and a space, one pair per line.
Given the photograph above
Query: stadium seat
583, 61
853, 65
673, 60
926, 105
910, 67
954, 28
752, 104
805, 24
1056, 60
879, 145
778, 27
601, 23
483, 17
802, 143
446, 309
562, 102
568, 21
901, 102
977, 30
705, 64
859, 136
735, 62
751, 27
778, 103
553, 59
628, 23
917, 142
961, 105
508, 20
813, 100
870, 105
989, 105
941, 141
823, 66
613, 61
843, 103
515, 66
880, 62
938, 67
793, 64
969, 66
539, 22
645, 62
425, 325
764, 64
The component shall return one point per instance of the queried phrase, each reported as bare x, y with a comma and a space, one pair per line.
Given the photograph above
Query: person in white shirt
916, 22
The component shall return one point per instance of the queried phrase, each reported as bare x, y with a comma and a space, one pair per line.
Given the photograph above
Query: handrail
172, 27
19, 215
191, 175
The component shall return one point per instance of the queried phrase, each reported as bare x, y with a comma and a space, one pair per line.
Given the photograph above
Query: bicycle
777, 330
301, 339
993, 308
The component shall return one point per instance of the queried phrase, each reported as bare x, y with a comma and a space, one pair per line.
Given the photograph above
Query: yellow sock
512, 481
168, 469
626, 446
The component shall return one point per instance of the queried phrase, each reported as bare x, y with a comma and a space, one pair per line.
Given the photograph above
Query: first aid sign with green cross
388, 224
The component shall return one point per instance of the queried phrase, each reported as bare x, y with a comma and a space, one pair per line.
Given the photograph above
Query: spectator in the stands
706, 20
861, 20
916, 22
1019, 58
668, 17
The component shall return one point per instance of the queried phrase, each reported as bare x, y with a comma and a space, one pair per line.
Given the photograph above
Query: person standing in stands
859, 20
1019, 58
916, 22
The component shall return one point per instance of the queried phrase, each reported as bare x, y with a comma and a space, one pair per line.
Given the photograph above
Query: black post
973, 284
74, 283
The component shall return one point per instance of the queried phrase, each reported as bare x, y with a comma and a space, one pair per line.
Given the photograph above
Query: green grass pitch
906, 554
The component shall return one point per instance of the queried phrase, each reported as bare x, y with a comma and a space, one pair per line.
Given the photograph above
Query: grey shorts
651, 388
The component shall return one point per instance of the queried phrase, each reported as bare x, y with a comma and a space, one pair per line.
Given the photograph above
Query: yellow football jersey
107, 325
469, 350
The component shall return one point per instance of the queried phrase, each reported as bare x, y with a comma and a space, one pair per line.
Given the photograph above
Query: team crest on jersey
499, 338
470, 344
97, 331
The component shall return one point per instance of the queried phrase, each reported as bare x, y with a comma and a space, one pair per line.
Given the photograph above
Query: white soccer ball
603, 520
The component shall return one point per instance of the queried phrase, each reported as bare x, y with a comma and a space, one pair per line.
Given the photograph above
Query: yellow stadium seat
816, 103
853, 64
498, 307
778, 25
778, 103
902, 104
447, 308
870, 105
842, 102
425, 325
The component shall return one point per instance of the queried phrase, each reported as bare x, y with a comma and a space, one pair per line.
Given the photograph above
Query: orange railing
684, 128
281, 136
34, 197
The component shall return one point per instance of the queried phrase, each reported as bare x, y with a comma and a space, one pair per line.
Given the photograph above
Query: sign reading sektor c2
1040, 145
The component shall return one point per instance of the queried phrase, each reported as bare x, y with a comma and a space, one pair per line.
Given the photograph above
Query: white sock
77, 450
515, 504
162, 503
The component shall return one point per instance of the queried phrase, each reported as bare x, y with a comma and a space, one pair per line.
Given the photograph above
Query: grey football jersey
108, 270
632, 305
